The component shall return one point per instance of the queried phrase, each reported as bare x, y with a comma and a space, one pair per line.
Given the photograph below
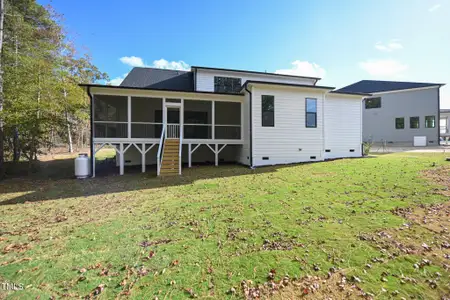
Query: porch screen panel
227, 120
197, 119
110, 116
146, 117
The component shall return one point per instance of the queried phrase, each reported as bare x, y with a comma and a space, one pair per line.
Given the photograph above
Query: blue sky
341, 41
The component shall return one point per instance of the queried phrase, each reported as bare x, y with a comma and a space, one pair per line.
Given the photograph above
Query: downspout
92, 130
250, 130
323, 124
438, 121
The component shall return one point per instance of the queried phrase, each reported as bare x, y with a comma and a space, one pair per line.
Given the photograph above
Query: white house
170, 118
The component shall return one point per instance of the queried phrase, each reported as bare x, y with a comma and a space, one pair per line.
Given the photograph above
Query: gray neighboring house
396, 112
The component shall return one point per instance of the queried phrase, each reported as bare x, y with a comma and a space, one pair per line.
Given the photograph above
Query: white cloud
383, 67
434, 7
303, 68
392, 45
132, 61
117, 80
135, 61
173, 65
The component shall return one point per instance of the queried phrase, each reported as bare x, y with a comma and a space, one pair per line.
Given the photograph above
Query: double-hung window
430, 122
399, 123
311, 113
268, 111
414, 122
372, 103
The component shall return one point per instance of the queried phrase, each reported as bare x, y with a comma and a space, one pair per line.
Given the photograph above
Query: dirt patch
16, 248
441, 176
433, 217
335, 286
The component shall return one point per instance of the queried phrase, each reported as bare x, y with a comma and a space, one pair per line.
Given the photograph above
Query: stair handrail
159, 157
181, 147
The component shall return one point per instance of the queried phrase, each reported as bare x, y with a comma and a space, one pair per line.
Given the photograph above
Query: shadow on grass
55, 180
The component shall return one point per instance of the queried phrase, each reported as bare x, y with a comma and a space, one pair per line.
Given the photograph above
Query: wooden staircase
170, 160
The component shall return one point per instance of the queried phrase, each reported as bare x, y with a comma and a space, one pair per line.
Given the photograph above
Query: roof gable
378, 86
163, 79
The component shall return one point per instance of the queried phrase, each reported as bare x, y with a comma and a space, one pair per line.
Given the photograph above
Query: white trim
157, 141
173, 104
213, 119
195, 148
242, 120
216, 155
112, 122
214, 151
122, 159
227, 125
404, 90
189, 155
105, 91
288, 86
147, 123
220, 150
129, 117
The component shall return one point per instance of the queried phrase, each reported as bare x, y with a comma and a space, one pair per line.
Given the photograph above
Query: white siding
343, 130
244, 150
205, 78
289, 141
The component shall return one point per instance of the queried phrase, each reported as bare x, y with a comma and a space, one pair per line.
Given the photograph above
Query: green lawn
144, 237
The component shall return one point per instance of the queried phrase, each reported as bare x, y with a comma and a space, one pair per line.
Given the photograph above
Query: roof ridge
153, 68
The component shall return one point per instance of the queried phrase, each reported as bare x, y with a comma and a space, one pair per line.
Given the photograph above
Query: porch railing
173, 131
181, 148
160, 155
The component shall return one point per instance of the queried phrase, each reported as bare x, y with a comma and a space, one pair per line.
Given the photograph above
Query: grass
143, 237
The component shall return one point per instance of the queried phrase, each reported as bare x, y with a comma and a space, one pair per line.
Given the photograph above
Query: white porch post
121, 158
164, 116
213, 120
129, 117
143, 157
190, 155
242, 121
182, 119
93, 160
216, 153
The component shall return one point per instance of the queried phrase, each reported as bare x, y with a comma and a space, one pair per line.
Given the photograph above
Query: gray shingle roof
376, 86
160, 79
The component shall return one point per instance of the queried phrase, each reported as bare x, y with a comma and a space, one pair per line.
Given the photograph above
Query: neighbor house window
311, 113
430, 122
414, 122
227, 85
268, 111
399, 123
373, 102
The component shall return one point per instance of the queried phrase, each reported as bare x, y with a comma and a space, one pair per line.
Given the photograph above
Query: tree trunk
2, 153
69, 129
69, 134
16, 144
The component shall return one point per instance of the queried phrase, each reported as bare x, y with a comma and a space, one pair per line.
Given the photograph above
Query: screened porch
136, 127
142, 118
